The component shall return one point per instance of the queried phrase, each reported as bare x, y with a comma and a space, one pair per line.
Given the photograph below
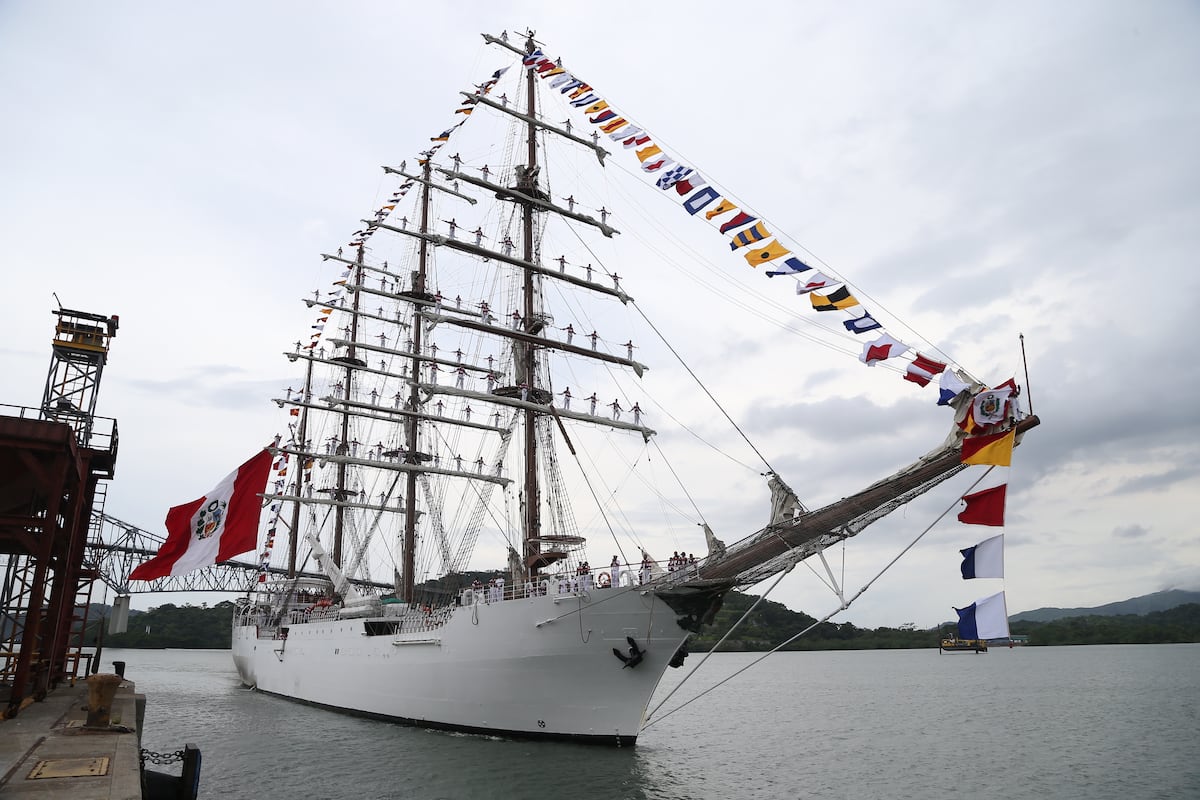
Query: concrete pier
48, 752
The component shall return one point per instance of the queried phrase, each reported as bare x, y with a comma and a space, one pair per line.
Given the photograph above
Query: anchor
636, 654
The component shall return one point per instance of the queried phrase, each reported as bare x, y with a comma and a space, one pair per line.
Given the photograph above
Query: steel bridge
117, 547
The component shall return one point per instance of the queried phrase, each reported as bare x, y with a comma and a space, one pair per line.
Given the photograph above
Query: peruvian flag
217, 527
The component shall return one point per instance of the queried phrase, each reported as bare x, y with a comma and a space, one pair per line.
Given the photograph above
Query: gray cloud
1131, 532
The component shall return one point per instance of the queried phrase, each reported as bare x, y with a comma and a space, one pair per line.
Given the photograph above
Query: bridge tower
52, 462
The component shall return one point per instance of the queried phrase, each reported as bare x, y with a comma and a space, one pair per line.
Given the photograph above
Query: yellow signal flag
772, 251
648, 152
755, 233
838, 298
723, 207
993, 450
592, 109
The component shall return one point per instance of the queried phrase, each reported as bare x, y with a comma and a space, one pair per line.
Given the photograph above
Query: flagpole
1025, 363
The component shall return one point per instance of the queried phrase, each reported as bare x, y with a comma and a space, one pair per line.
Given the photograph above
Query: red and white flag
217, 527
883, 348
921, 371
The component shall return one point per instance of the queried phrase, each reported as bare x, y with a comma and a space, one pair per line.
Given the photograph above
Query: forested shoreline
208, 627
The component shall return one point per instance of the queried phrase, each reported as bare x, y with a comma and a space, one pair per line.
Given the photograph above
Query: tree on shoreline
203, 627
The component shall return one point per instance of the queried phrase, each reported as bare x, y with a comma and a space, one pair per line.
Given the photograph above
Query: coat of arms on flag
209, 519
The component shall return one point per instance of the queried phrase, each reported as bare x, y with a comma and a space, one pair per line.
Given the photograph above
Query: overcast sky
975, 171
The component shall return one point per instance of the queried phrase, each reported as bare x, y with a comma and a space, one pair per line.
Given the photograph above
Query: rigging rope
732, 628
828, 616
599, 506
858, 290
704, 388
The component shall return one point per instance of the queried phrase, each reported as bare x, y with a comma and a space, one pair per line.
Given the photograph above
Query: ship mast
407, 590
340, 491
528, 184
302, 445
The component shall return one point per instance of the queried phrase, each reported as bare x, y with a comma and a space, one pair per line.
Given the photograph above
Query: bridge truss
116, 548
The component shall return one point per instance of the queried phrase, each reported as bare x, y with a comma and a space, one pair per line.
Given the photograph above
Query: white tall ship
434, 418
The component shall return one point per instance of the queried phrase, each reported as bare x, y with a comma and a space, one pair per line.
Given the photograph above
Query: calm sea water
1062, 722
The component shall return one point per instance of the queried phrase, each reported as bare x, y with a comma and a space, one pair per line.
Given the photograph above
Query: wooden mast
528, 184
343, 448
301, 444
407, 589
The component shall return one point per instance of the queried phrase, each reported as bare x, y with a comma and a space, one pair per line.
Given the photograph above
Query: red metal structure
52, 462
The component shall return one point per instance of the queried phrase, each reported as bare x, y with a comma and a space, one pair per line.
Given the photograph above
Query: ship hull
539, 667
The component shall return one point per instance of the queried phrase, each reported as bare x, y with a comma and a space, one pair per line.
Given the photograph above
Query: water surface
1098, 722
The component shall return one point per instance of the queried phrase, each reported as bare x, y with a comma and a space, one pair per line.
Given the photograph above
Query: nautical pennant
693, 181
986, 618
699, 196
991, 450
812, 281
697, 202
862, 324
648, 152
984, 560
839, 298
673, 176
739, 219
754, 233
950, 387
985, 507
922, 370
724, 208
762, 255
791, 266
882, 348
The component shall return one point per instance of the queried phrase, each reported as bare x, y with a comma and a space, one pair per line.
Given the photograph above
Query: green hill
1145, 604
205, 627
195, 627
